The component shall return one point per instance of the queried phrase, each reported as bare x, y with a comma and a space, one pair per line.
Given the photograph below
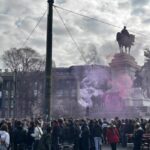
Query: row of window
61, 93
10, 94
8, 104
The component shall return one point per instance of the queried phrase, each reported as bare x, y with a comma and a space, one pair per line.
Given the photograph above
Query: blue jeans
98, 143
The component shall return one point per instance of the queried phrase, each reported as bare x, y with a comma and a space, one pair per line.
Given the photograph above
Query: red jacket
112, 135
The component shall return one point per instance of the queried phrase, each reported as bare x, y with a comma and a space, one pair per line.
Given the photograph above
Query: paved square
118, 148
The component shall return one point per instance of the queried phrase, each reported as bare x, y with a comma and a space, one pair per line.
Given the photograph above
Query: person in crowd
55, 135
61, 130
77, 135
37, 134
19, 136
137, 137
85, 137
97, 134
147, 127
104, 128
30, 138
112, 136
129, 126
91, 128
10, 131
45, 141
143, 123
80, 134
4, 137
123, 132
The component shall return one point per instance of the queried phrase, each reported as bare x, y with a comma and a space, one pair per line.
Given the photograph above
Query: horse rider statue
125, 32
125, 40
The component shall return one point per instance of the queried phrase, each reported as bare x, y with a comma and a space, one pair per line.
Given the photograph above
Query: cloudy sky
19, 17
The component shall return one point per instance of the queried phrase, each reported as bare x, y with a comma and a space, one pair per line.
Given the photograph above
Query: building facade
7, 99
105, 91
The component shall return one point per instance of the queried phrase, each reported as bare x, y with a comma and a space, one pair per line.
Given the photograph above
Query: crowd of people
82, 134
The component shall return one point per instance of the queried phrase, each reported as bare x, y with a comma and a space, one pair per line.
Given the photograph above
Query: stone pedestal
123, 63
135, 103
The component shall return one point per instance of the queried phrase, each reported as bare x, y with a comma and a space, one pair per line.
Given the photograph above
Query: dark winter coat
97, 131
137, 138
45, 142
30, 139
85, 138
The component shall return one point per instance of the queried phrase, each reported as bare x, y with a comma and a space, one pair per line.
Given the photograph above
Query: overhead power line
37, 24
71, 36
82, 15
98, 20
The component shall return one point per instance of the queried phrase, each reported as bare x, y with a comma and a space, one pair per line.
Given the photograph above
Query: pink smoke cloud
122, 84
120, 89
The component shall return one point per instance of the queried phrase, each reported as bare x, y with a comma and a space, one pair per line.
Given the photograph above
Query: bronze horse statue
125, 41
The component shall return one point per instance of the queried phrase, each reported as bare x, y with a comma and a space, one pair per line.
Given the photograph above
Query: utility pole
48, 67
15, 94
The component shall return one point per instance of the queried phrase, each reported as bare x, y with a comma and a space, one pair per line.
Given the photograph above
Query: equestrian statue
125, 40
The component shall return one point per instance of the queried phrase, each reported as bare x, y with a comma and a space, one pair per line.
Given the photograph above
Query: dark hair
48, 129
32, 124
37, 122
137, 126
4, 127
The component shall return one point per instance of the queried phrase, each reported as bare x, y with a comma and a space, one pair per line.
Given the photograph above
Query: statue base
123, 63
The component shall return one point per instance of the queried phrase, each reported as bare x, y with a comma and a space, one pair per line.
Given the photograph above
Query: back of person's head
100, 121
48, 129
32, 124
60, 121
19, 124
4, 127
137, 125
104, 120
54, 123
70, 122
116, 118
37, 123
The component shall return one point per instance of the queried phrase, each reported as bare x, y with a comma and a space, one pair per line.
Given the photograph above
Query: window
35, 84
6, 94
0, 94
35, 93
66, 92
73, 92
6, 104
12, 104
11, 113
59, 93
12, 94
7, 85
